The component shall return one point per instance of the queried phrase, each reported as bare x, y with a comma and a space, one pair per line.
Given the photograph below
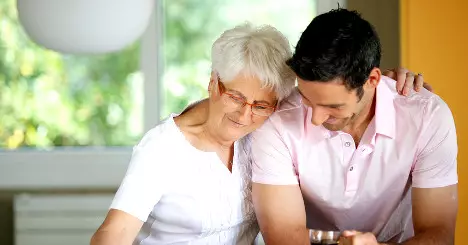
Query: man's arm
434, 175
276, 194
434, 215
281, 214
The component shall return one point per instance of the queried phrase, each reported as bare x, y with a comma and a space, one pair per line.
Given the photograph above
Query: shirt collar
384, 109
383, 122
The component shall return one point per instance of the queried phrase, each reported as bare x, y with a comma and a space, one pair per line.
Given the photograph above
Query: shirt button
351, 169
347, 144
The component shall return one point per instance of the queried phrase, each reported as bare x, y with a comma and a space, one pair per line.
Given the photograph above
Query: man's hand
434, 215
407, 80
358, 238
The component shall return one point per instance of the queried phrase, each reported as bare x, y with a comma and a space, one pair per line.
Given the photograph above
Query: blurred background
68, 122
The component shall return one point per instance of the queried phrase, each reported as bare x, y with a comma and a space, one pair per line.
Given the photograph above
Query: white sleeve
145, 180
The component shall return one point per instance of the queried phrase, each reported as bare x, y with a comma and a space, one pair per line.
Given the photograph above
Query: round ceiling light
84, 26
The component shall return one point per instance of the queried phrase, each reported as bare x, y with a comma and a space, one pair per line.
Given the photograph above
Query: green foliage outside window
49, 99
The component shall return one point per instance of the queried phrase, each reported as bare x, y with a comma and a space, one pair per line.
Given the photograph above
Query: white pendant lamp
84, 26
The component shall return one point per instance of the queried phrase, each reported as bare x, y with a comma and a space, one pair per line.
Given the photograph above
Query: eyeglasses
236, 102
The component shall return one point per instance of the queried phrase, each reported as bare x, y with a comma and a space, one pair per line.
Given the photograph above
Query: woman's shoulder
165, 132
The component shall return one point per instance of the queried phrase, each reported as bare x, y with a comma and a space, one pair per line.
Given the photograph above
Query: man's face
333, 105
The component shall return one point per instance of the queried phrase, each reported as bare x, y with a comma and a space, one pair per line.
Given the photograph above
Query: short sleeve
436, 160
145, 179
271, 159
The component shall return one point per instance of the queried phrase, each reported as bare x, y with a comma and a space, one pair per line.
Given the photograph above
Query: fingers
418, 82
358, 238
389, 73
406, 80
347, 237
401, 79
365, 239
349, 233
409, 83
428, 87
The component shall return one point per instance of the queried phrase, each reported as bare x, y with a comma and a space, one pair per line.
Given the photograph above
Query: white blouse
187, 196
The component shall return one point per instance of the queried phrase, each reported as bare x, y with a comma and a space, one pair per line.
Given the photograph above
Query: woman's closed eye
262, 107
236, 98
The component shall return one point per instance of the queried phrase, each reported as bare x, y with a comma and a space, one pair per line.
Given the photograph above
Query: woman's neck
213, 137
202, 132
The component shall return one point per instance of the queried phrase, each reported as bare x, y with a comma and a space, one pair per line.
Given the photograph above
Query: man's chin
333, 127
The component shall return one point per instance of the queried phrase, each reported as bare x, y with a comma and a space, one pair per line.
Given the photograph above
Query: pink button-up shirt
411, 142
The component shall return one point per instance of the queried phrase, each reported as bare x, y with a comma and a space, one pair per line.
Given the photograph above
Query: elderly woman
188, 181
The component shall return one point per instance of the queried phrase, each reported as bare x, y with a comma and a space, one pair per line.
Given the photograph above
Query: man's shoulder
415, 114
289, 108
421, 104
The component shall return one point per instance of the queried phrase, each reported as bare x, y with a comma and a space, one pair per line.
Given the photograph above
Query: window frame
90, 167
98, 168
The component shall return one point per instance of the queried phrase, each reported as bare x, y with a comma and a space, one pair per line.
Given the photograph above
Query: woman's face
239, 106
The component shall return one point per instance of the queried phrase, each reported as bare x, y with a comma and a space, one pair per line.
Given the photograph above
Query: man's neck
359, 125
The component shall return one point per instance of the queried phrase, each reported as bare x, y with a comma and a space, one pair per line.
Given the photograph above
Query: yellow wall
434, 41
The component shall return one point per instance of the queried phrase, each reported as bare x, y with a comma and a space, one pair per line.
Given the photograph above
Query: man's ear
374, 78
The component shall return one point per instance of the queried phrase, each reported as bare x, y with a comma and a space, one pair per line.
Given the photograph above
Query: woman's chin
235, 133
234, 130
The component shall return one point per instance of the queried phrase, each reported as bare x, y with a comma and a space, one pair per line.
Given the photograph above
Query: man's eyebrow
303, 96
324, 105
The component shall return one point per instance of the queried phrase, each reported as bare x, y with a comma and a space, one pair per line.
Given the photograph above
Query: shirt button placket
352, 179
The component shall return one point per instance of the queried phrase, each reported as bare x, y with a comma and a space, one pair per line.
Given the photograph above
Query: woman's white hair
254, 51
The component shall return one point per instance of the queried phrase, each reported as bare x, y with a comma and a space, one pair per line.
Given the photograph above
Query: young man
346, 152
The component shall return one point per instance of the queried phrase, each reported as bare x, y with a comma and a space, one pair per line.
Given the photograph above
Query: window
82, 114
48, 99
191, 27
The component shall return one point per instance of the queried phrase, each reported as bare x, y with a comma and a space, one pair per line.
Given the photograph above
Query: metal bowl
324, 237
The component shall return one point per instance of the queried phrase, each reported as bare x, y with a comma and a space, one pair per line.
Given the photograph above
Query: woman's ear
213, 83
210, 85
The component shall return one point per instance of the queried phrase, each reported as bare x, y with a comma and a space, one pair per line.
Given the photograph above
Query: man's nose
319, 116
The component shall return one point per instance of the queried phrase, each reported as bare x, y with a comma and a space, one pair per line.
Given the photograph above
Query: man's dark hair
337, 44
